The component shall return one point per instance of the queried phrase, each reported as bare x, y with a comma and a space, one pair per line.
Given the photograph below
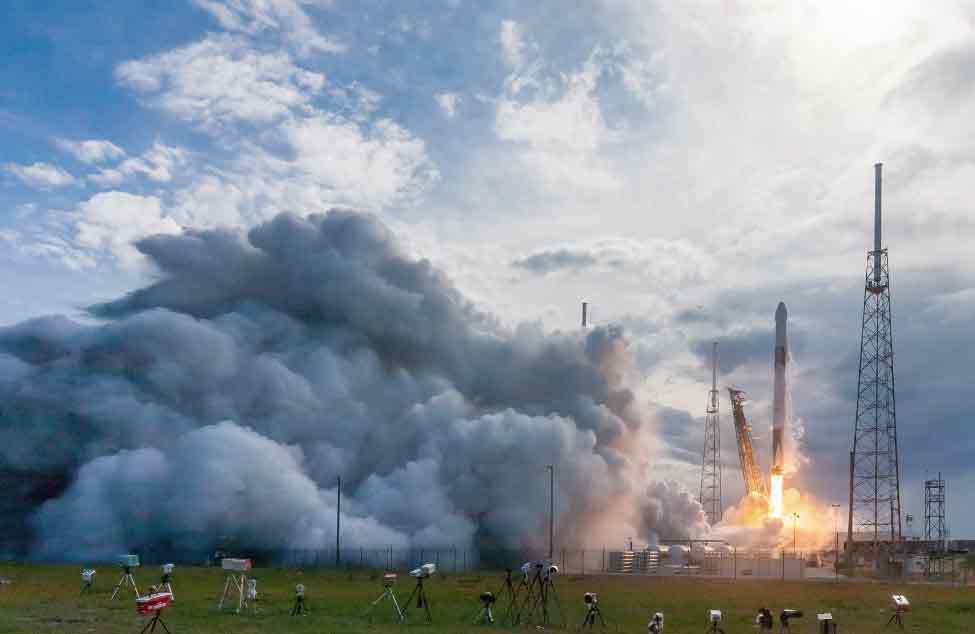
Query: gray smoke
228, 396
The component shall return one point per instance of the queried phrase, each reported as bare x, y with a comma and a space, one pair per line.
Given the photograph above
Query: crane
754, 482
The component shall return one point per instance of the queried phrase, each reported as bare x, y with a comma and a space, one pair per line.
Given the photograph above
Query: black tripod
897, 618
421, 599
299, 606
544, 590
486, 615
87, 585
528, 583
715, 629
592, 614
153, 622
508, 594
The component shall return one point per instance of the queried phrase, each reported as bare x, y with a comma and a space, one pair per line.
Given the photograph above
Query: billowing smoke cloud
227, 397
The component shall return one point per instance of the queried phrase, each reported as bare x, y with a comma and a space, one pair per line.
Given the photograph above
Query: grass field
42, 599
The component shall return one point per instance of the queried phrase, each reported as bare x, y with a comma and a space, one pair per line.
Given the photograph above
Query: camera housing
235, 565
487, 598
900, 602
299, 590
128, 561
788, 615
389, 579
167, 569
590, 598
715, 616
424, 571
88, 575
656, 624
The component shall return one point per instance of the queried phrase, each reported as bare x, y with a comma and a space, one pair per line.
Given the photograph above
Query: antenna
585, 314
877, 184
714, 369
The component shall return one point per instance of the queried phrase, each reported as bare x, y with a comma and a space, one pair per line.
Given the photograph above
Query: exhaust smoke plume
226, 398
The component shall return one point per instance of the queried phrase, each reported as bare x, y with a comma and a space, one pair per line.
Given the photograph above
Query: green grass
42, 599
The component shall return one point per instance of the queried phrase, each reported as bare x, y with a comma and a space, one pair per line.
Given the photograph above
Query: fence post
604, 560
583, 561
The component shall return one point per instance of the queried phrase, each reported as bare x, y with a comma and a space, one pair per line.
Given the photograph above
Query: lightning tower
711, 463
875, 505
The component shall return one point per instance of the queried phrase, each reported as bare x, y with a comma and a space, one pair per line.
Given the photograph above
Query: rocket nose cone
781, 313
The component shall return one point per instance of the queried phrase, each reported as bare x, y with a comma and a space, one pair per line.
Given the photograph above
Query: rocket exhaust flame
775, 496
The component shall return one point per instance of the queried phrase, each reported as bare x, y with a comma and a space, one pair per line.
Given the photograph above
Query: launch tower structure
754, 482
935, 526
875, 505
711, 461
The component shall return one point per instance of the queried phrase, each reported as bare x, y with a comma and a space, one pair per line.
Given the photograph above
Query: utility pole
795, 522
551, 511
338, 523
836, 545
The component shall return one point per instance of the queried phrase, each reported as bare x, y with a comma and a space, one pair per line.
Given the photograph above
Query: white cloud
559, 125
40, 175
109, 222
512, 41
158, 164
448, 102
326, 161
369, 168
92, 150
285, 16
571, 121
221, 80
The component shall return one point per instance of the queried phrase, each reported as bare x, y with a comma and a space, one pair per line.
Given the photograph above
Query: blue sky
689, 165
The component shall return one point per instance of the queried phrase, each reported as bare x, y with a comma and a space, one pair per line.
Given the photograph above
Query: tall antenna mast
710, 497
875, 506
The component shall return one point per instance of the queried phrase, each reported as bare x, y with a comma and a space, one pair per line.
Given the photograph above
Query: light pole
795, 523
551, 511
338, 524
836, 542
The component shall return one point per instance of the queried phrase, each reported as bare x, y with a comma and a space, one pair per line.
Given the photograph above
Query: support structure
875, 507
755, 484
935, 526
710, 496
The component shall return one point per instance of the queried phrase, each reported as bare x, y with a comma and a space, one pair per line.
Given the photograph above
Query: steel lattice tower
875, 507
935, 528
711, 462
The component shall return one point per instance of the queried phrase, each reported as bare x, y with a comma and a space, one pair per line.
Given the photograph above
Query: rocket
778, 396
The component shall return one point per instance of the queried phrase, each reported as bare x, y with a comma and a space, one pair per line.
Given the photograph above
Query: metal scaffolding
710, 497
875, 507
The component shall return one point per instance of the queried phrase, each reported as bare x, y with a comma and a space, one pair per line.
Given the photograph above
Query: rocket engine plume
259, 367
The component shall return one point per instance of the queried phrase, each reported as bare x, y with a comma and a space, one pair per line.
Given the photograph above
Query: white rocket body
778, 396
